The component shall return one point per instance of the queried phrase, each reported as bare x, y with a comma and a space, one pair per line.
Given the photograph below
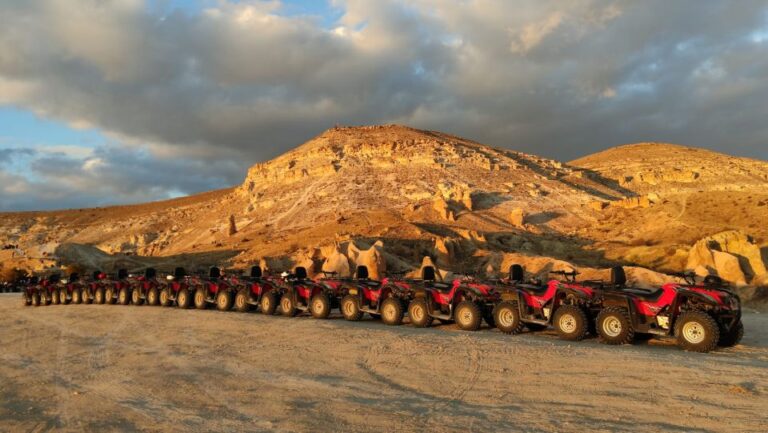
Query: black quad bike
387, 299
465, 301
568, 305
701, 316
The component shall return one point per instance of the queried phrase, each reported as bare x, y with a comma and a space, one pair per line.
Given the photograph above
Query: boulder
517, 217
716, 254
372, 258
729, 268
336, 261
441, 206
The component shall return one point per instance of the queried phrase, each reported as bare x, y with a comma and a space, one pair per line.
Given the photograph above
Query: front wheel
76, 299
109, 296
507, 317
224, 300
36, 300
614, 327
136, 297
696, 331
350, 308
242, 301
392, 312
152, 296
418, 313
55, 298
268, 303
320, 306
571, 323
468, 315
183, 299
63, 297
98, 298
165, 298
200, 302
287, 306
85, 296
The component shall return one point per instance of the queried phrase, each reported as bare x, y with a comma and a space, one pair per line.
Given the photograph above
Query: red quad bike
214, 289
386, 299
465, 301
177, 289
48, 290
146, 288
118, 289
71, 290
299, 294
567, 305
256, 289
94, 291
700, 316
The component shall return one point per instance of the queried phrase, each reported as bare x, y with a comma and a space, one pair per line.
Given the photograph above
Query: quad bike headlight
663, 321
169, 278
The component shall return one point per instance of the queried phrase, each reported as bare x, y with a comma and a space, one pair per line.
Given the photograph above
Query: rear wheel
183, 299
287, 306
123, 297
507, 317
571, 323
392, 312
418, 313
224, 300
733, 336
350, 308
109, 296
696, 331
242, 301
614, 327
165, 298
55, 299
268, 303
76, 299
200, 302
468, 315
320, 306
36, 299
85, 296
136, 297
63, 297
26, 300
98, 297
152, 296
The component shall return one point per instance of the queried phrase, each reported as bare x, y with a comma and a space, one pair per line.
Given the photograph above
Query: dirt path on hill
112, 368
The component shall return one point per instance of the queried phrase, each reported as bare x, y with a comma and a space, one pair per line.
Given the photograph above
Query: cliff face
467, 205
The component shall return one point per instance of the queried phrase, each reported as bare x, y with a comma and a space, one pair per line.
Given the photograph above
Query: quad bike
176, 289
146, 288
465, 301
700, 316
71, 290
47, 290
386, 299
299, 294
569, 306
256, 290
214, 289
94, 291
118, 289
29, 295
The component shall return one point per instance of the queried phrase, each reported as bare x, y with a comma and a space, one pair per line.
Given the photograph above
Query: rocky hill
390, 195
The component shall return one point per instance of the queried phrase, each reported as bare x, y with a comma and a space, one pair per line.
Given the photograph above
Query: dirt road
113, 368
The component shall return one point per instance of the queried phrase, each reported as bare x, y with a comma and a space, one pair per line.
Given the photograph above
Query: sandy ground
113, 368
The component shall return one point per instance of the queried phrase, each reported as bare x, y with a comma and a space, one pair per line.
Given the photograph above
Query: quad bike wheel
731, 337
350, 308
224, 300
109, 296
696, 331
26, 301
165, 298
36, 299
152, 296
506, 314
54, 298
268, 303
45, 299
571, 323
418, 313
123, 297
63, 297
287, 306
468, 315
85, 296
320, 306
76, 299
242, 303
183, 300
392, 312
136, 297
98, 297
200, 302
614, 326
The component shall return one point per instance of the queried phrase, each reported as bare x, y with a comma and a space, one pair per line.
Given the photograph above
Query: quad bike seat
372, 283
533, 288
649, 295
442, 287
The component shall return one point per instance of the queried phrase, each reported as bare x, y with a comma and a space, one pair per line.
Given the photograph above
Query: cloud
240, 82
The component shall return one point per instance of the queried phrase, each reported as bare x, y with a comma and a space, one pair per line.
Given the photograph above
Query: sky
124, 101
